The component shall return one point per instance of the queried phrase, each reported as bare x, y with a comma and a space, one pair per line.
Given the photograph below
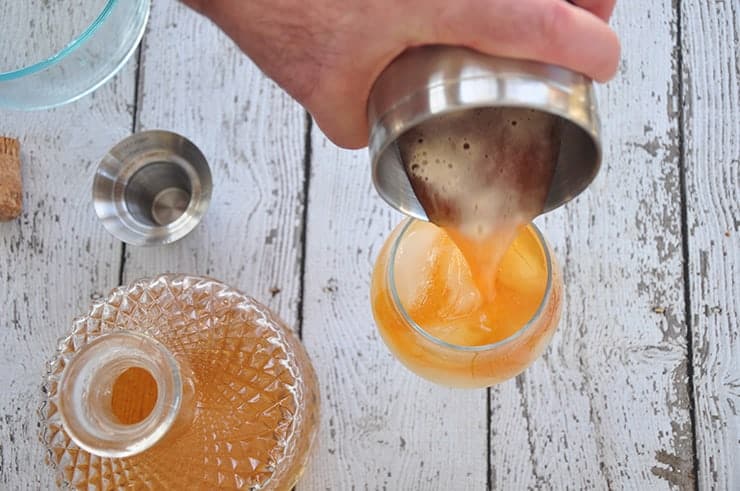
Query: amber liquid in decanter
180, 383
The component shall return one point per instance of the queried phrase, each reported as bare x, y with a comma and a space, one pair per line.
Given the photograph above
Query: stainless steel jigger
152, 188
431, 81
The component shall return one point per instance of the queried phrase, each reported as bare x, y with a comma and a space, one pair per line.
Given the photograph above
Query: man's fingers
577, 39
600, 8
552, 31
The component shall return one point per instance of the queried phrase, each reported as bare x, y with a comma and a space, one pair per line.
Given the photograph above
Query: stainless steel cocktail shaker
428, 82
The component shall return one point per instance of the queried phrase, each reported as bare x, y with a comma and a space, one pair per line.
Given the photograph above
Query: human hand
328, 53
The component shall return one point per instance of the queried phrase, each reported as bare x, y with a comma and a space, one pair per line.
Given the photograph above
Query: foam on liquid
482, 175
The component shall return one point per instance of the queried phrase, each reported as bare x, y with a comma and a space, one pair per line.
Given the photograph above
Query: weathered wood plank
710, 33
382, 427
53, 260
194, 81
607, 406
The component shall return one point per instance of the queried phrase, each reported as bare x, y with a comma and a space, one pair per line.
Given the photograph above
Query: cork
11, 189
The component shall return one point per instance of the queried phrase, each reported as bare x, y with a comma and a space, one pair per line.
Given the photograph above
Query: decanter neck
87, 386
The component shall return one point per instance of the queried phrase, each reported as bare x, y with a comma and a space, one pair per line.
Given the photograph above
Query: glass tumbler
457, 364
179, 382
52, 53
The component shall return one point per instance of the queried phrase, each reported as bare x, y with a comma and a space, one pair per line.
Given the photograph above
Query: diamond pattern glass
255, 404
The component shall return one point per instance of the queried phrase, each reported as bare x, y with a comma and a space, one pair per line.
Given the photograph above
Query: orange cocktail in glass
435, 320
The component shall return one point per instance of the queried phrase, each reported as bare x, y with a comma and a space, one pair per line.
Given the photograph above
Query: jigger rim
136, 152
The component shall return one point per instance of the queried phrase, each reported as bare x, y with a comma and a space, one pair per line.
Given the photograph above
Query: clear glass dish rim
64, 52
444, 344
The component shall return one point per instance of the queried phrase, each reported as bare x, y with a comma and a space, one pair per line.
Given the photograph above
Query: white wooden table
641, 386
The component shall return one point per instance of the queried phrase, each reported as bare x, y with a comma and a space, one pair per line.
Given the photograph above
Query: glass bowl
52, 53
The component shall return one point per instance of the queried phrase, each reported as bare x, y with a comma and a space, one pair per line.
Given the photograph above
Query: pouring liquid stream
482, 176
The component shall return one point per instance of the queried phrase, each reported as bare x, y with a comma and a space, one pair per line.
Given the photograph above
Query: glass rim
64, 52
398, 305
135, 438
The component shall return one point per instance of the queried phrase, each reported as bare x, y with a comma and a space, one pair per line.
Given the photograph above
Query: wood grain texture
381, 427
194, 81
607, 407
608, 404
710, 34
54, 259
